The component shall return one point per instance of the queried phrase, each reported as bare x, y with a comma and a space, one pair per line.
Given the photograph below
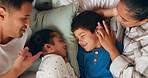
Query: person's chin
87, 49
20, 35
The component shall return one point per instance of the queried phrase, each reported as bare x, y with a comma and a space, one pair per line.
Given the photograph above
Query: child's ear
48, 48
2, 13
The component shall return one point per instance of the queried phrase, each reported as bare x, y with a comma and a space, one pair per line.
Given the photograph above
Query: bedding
87, 4
59, 18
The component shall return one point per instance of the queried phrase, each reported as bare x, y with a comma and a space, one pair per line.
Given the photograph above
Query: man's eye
24, 19
82, 35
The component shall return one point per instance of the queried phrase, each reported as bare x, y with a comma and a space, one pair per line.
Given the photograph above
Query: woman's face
125, 17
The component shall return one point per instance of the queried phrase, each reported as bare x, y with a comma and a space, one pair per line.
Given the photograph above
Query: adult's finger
113, 36
24, 52
36, 56
100, 37
106, 27
101, 32
99, 26
26, 49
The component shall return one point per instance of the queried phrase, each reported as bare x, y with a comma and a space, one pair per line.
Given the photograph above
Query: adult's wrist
114, 53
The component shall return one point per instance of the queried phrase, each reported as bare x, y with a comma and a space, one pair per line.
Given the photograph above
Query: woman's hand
107, 40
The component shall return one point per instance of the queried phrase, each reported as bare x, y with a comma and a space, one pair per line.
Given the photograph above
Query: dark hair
138, 8
39, 39
13, 4
86, 20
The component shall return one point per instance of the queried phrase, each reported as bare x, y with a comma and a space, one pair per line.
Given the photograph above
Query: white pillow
87, 4
58, 3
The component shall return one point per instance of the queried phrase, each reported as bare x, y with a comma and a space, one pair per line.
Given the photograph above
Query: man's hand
23, 62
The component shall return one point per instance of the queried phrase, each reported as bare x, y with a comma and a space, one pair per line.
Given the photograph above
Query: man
14, 19
133, 15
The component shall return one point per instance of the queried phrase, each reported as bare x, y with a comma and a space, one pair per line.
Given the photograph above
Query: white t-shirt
54, 66
9, 51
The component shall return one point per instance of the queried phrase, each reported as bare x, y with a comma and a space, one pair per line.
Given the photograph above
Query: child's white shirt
54, 66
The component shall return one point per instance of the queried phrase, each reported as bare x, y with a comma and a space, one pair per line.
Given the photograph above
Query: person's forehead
124, 13
57, 35
82, 31
122, 10
79, 31
25, 9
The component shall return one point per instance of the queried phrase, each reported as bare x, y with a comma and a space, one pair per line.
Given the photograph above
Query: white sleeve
52, 67
122, 67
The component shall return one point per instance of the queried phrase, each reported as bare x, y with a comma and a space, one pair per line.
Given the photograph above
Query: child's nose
65, 44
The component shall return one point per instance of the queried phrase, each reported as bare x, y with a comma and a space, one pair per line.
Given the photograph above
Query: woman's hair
137, 8
39, 39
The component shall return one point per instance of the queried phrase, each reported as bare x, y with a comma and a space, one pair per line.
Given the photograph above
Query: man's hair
39, 39
13, 4
86, 20
138, 8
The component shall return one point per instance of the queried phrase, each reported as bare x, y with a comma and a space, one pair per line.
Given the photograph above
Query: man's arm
24, 61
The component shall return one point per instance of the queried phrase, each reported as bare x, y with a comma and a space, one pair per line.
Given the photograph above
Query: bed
57, 15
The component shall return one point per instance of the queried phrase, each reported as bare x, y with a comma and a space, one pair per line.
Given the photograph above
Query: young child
94, 61
54, 62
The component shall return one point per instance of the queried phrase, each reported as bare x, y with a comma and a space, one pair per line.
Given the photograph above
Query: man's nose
27, 23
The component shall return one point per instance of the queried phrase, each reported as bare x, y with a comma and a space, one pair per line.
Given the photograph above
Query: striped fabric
133, 63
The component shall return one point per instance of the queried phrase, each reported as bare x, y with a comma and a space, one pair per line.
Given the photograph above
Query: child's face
60, 45
86, 39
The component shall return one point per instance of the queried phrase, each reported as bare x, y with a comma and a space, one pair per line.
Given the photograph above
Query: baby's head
84, 26
48, 41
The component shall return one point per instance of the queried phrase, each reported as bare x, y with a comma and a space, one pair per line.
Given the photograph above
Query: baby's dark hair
86, 20
39, 39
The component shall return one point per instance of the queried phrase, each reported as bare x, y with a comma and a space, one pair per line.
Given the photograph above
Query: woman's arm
122, 66
107, 12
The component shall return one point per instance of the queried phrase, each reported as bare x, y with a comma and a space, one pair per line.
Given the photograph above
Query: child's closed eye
61, 41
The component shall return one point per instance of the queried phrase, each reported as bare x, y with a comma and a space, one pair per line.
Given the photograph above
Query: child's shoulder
52, 57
